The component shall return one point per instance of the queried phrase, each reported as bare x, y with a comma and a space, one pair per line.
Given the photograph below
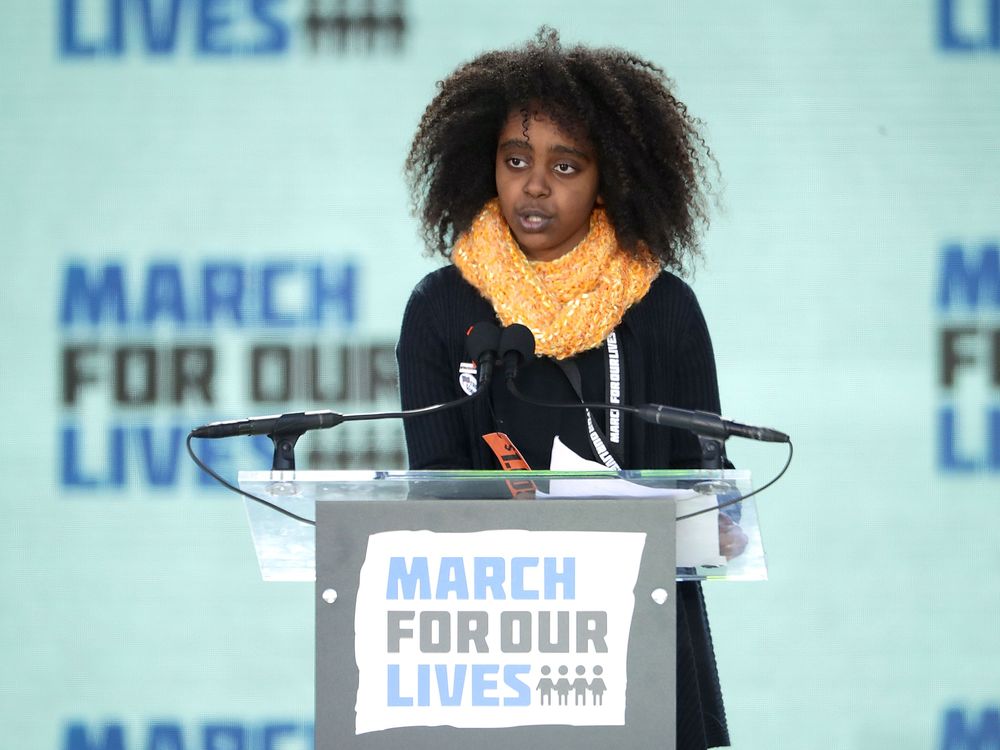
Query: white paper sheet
697, 538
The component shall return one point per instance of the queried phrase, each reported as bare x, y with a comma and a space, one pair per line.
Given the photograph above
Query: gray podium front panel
344, 531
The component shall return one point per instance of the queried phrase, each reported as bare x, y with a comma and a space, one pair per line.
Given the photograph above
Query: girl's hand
732, 540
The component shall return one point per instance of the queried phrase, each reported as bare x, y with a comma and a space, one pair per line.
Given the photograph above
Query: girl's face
547, 185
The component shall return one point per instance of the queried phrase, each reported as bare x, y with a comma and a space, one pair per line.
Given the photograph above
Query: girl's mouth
532, 221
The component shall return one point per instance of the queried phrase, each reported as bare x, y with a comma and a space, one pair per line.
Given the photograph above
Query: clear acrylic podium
460, 609
286, 549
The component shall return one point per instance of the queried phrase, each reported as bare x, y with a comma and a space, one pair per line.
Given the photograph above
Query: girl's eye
516, 161
564, 168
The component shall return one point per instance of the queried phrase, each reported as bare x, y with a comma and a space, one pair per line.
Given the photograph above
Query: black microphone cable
634, 410
519, 347
741, 498
359, 417
482, 341
229, 486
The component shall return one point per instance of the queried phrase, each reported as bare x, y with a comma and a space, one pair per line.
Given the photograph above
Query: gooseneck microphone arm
701, 423
482, 340
517, 346
284, 430
313, 420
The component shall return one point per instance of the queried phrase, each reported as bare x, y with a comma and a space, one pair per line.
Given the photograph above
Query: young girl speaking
564, 185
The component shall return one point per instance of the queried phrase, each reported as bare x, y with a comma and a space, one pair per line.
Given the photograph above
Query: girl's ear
600, 200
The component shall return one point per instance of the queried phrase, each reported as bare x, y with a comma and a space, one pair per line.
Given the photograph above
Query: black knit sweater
666, 359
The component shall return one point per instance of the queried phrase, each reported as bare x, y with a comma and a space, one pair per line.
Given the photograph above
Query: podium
459, 609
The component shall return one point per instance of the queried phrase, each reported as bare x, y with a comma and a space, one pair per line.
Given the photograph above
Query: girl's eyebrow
558, 149
515, 143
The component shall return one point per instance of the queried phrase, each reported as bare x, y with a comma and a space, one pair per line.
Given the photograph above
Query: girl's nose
537, 184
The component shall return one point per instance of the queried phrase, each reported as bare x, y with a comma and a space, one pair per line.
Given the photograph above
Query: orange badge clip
510, 459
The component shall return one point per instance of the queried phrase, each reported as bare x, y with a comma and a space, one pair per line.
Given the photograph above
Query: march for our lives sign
493, 629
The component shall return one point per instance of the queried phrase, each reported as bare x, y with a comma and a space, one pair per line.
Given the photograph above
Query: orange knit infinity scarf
571, 303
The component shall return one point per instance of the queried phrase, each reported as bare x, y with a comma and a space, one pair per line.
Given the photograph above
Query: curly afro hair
651, 155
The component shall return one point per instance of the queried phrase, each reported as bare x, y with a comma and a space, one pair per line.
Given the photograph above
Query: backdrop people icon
567, 189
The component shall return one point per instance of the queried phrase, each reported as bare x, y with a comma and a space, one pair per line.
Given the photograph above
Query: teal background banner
203, 216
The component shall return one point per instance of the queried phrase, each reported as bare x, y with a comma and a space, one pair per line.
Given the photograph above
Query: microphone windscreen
481, 338
517, 340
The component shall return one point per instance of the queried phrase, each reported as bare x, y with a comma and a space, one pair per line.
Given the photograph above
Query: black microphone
482, 341
706, 424
519, 341
517, 347
302, 421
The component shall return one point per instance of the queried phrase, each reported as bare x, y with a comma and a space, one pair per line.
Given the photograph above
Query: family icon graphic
580, 687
